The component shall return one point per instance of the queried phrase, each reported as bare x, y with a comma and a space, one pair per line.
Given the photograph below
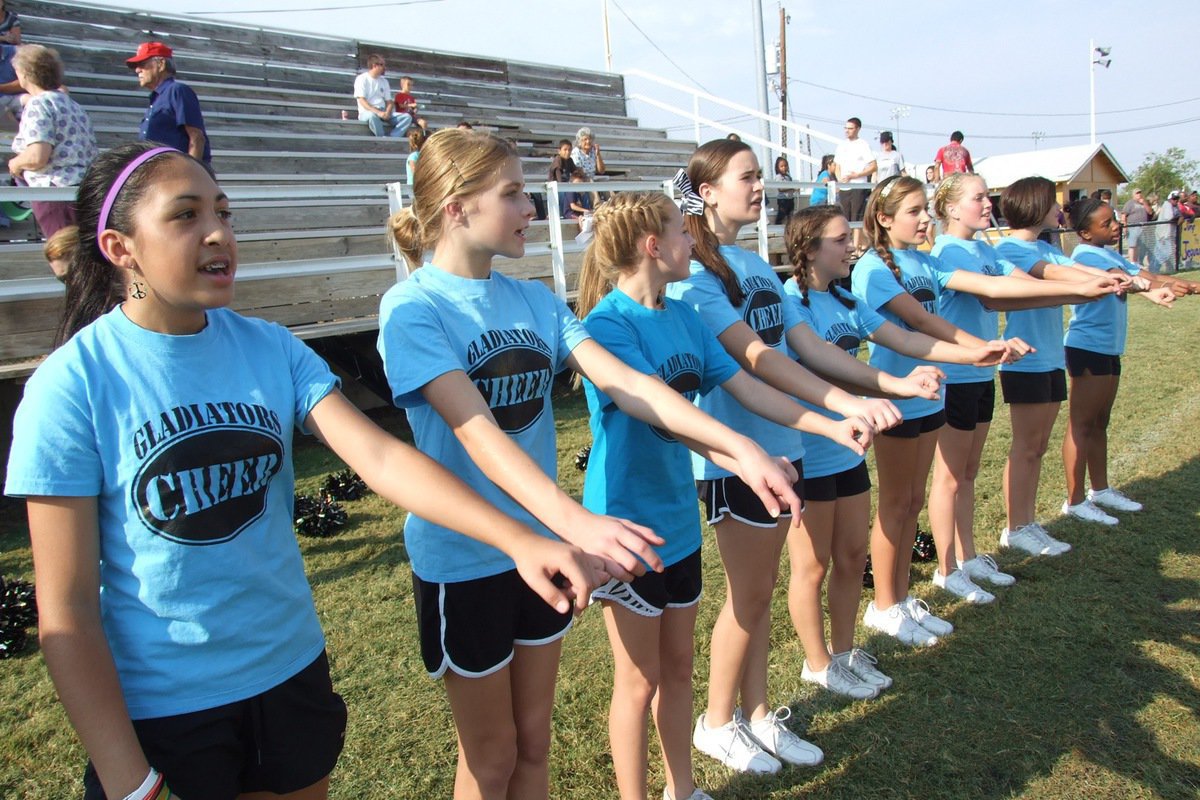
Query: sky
997, 72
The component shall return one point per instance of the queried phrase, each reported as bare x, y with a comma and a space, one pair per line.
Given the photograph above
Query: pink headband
119, 183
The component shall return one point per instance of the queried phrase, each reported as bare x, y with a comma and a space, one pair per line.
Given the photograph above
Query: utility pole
761, 58
783, 115
607, 40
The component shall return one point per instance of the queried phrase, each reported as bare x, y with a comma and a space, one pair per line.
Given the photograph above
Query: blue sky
1024, 62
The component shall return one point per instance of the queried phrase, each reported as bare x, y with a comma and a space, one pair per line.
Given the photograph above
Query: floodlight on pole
1037, 137
898, 113
1096, 55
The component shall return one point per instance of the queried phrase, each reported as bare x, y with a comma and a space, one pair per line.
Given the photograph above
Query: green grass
1082, 681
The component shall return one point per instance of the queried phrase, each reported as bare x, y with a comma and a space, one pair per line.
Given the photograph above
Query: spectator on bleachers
579, 205
586, 154
59, 249
463, 125
820, 194
10, 25
405, 103
55, 143
174, 117
562, 166
376, 106
888, 161
10, 87
953, 157
786, 202
416, 138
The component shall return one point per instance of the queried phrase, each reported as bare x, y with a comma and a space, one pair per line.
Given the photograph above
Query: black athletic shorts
853, 202
280, 741
912, 428
847, 483
731, 496
1034, 387
1081, 361
471, 626
969, 404
678, 586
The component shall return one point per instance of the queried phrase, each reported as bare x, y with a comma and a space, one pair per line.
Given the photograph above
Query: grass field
1082, 681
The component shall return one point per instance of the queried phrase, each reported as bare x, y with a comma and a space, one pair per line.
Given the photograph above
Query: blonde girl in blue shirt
471, 354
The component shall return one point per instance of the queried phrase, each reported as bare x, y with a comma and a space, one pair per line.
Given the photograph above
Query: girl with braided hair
639, 471
903, 284
836, 483
471, 354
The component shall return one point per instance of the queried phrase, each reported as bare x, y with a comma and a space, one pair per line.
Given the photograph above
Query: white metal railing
697, 119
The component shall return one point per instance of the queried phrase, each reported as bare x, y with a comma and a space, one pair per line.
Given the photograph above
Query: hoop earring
137, 290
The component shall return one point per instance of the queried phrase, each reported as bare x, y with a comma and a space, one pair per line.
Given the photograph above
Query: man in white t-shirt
1164, 235
374, 98
853, 165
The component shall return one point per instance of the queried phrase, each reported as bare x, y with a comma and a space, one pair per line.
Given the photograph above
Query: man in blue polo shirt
174, 117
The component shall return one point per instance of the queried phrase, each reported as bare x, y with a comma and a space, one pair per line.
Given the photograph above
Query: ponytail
707, 165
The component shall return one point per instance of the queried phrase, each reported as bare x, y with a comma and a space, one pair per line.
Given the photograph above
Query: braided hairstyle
951, 190
618, 227
707, 165
885, 201
802, 237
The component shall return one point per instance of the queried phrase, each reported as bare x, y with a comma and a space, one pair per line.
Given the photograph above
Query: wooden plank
520, 73
252, 252
29, 344
30, 315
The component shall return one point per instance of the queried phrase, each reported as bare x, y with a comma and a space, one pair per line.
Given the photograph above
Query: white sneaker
1089, 511
695, 795
984, 568
958, 583
733, 746
1032, 539
1056, 547
839, 680
862, 665
1111, 498
896, 623
918, 611
774, 737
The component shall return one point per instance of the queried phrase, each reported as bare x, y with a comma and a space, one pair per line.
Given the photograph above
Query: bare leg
850, 531
487, 734
673, 702
740, 638
1089, 405
636, 648
533, 672
1032, 424
903, 467
317, 791
808, 551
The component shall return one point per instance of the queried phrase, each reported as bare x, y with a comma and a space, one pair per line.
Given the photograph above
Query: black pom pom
868, 575
319, 517
18, 611
344, 485
581, 458
923, 548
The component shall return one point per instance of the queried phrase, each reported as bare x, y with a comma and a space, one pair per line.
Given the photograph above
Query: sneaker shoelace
988, 562
741, 733
858, 655
918, 609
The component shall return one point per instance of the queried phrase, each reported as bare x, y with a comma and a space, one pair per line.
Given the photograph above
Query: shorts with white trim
732, 496
470, 627
678, 586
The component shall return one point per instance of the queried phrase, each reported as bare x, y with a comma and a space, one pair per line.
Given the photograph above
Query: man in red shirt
953, 157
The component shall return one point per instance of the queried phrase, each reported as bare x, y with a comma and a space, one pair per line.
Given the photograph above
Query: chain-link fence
1162, 246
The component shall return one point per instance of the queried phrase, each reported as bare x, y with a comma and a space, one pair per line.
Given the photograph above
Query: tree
1163, 173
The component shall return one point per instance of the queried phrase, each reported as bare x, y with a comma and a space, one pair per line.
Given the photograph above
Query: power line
646, 36
987, 113
322, 8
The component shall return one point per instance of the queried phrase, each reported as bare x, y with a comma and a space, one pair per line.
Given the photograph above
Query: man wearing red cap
174, 117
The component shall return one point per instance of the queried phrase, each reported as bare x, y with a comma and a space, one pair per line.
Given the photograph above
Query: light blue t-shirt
765, 312
638, 471
510, 337
1040, 327
845, 327
186, 442
875, 284
962, 308
1100, 326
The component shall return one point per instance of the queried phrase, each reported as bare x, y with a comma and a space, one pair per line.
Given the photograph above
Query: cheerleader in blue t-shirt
903, 284
978, 285
1095, 341
739, 299
636, 470
471, 354
153, 448
837, 497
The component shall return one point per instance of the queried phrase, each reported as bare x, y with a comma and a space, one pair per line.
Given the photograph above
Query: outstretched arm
1009, 293
621, 544
408, 478
924, 346
774, 368
650, 400
770, 403
836, 364
64, 533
